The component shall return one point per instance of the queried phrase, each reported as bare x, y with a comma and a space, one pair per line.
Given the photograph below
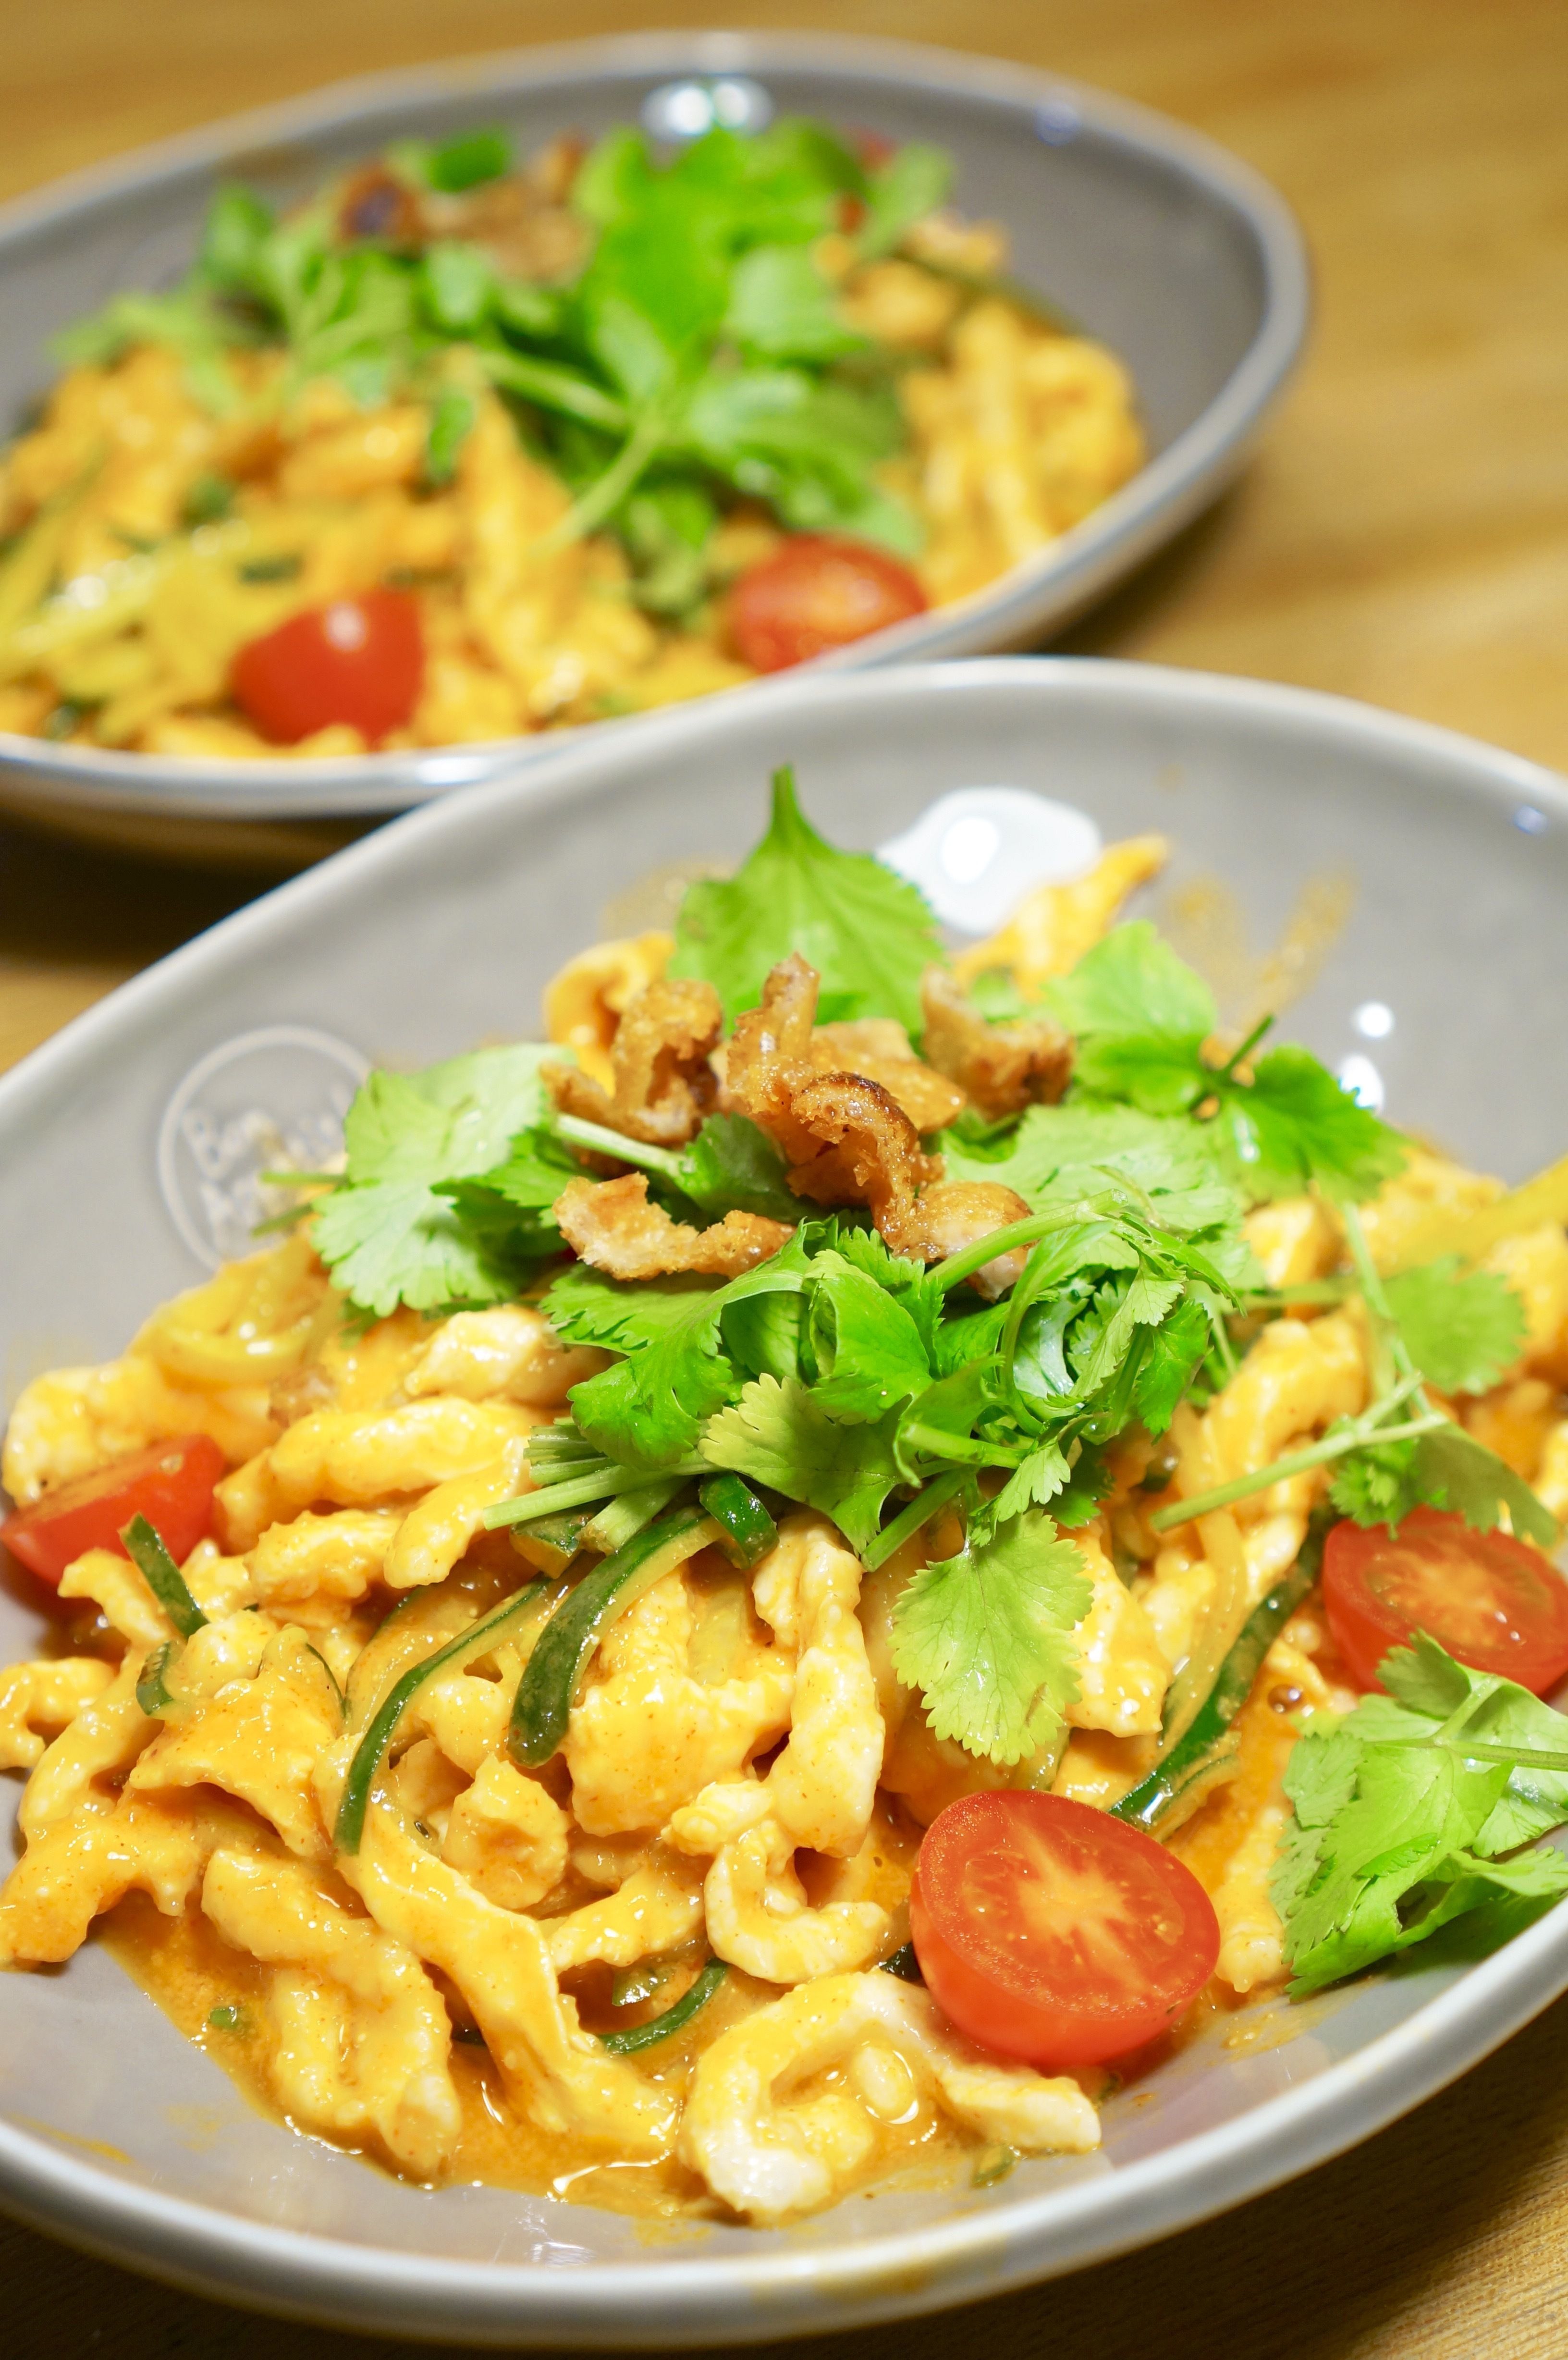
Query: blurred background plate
1151, 238
127, 1147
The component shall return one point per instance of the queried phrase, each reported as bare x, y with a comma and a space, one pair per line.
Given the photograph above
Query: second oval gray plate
128, 1155
1174, 253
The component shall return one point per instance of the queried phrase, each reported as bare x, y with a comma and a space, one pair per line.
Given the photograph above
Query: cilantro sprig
1278, 1121
694, 352
1409, 1814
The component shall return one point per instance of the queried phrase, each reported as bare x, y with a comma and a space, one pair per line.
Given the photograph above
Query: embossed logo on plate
269, 1100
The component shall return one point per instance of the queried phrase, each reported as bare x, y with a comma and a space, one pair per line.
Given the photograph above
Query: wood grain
1400, 537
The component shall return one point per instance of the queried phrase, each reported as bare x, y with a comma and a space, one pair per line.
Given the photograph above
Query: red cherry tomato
1051, 1932
170, 1485
816, 593
1493, 1603
358, 660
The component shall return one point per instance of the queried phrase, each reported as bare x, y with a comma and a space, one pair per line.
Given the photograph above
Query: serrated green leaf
987, 1636
1463, 1327
868, 933
777, 1435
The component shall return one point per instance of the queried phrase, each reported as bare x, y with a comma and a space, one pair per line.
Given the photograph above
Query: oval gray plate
128, 1148
1180, 256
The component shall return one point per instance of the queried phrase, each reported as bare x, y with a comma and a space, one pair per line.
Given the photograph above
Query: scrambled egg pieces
742, 1775
1016, 433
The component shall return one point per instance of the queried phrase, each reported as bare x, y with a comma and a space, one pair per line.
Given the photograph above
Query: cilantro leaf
987, 1636
778, 1434
913, 182
1170, 1360
1380, 1482
1170, 1167
585, 1306
866, 1350
1423, 1679
1294, 1124
733, 1167
1452, 1470
1397, 1832
782, 308
1462, 1327
384, 1233
649, 1409
868, 933
1140, 1017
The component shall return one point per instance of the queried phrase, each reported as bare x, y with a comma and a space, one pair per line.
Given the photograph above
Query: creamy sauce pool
193, 1975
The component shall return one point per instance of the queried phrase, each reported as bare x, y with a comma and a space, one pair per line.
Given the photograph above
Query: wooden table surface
1402, 536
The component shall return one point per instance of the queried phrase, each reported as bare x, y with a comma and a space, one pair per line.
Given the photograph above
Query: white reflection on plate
977, 852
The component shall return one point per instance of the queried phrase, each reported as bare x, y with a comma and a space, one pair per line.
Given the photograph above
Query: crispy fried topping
611, 1224
661, 1082
868, 1153
847, 1139
955, 1214
879, 1048
1002, 1067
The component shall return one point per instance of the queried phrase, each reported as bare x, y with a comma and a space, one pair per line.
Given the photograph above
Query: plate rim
1045, 592
1004, 2244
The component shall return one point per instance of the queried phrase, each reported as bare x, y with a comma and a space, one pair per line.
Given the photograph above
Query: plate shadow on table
1350, 2262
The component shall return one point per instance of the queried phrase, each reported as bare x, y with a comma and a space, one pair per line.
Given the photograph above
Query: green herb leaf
1462, 1328
1396, 1833
386, 1232
868, 933
986, 1636
1294, 1124
733, 1167
1142, 1018
912, 184
783, 309
777, 1433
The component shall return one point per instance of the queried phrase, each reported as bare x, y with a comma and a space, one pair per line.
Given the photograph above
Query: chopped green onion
1203, 1756
551, 1545
904, 1965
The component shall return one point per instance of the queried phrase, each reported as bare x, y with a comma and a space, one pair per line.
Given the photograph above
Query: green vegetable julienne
1204, 1754
565, 1646
144, 1547
674, 2019
491, 1631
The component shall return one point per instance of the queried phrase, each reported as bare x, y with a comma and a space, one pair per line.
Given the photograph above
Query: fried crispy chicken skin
879, 1048
1001, 1068
957, 1214
846, 1138
611, 1224
662, 1083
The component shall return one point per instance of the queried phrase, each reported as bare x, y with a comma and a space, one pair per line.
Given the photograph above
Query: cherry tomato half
170, 1485
1493, 1603
358, 660
814, 592
1051, 1932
